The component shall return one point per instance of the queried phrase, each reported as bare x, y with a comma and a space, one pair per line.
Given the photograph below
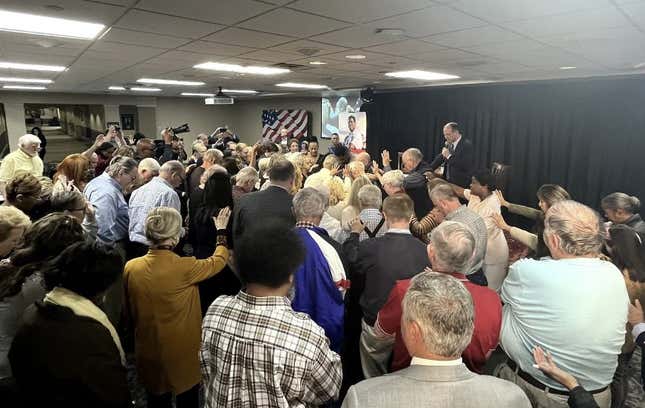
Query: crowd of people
265, 275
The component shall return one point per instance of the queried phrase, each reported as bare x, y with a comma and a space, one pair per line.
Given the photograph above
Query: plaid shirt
259, 352
371, 217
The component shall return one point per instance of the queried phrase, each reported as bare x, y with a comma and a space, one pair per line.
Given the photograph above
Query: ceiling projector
219, 99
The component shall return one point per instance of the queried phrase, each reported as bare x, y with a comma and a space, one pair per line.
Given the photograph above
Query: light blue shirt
106, 195
156, 193
574, 308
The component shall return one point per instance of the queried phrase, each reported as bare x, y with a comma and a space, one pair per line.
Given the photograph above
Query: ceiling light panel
30, 87
204, 95
116, 88
250, 69
300, 85
31, 67
240, 91
26, 80
42, 25
146, 89
422, 75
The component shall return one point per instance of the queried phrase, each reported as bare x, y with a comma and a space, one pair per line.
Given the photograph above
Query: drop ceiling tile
292, 23
90, 12
247, 38
27, 58
636, 11
432, 20
507, 48
117, 51
168, 25
355, 37
313, 49
450, 55
120, 35
215, 49
504, 10
219, 11
607, 17
269, 55
406, 48
473, 37
359, 11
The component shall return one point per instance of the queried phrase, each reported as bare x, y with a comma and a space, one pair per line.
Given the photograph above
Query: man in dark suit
273, 203
456, 157
415, 180
376, 264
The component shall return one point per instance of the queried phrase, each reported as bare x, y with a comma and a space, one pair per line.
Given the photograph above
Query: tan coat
163, 302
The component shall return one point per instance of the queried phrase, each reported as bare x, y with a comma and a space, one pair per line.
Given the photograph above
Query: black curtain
586, 135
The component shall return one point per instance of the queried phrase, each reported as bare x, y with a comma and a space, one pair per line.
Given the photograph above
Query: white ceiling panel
450, 55
219, 11
505, 10
636, 11
356, 36
432, 20
295, 47
406, 48
270, 56
215, 49
90, 12
359, 11
118, 51
292, 23
162, 24
247, 38
140, 38
473, 37
606, 17
26, 58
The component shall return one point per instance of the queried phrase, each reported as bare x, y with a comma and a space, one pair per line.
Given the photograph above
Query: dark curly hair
44, 240
71, 269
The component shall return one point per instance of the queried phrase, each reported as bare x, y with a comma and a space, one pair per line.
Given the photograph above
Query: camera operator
172, 148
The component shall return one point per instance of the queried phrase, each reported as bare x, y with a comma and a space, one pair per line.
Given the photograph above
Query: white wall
244, 117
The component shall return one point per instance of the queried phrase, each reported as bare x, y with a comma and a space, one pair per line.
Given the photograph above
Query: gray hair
149, 164
309, 203
621, 201
163, 223
330, 161
454, 246
577, 226
171, 166
27, 139
414, 153
442, 192
246, 175
443, 309
213, 156
394, 178
370, 196
120, 165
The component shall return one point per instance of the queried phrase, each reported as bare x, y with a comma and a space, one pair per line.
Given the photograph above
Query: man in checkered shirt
256, 350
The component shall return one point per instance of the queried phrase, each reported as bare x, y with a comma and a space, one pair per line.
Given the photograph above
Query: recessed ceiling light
299, 85
240, 91
567, 68
418, 74
216, 66
317, 63
146, 89
355, 56
42, 25
639, 65
23, 87
169, 82
26, 80
31, 67
116, 88
205, 95
389, 31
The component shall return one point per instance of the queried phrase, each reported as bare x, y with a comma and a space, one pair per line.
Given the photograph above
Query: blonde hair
356, 186
163, 223
11, 218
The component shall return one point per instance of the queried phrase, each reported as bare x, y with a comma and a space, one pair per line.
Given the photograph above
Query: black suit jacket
380, 262
415, 184
640, 341
274, 203
459, 168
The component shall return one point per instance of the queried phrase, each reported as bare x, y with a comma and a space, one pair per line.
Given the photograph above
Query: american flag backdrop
295, 121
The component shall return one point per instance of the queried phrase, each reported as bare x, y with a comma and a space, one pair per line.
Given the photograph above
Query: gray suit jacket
441, 387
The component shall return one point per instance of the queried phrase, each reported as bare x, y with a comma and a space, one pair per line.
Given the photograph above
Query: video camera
180, 129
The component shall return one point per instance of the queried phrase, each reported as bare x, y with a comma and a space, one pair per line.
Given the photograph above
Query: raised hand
221, 221
501, 198
356, 225
385, 157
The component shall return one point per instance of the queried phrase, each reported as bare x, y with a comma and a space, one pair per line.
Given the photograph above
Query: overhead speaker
367, 95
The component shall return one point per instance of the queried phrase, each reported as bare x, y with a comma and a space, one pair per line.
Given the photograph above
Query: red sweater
488, 323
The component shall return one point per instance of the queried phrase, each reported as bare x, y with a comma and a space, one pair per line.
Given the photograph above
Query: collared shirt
638, 330
157, 193
399, 231
19, 161
258, 351
555, 301
371, 217
435, 363
106, 195
477, 226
